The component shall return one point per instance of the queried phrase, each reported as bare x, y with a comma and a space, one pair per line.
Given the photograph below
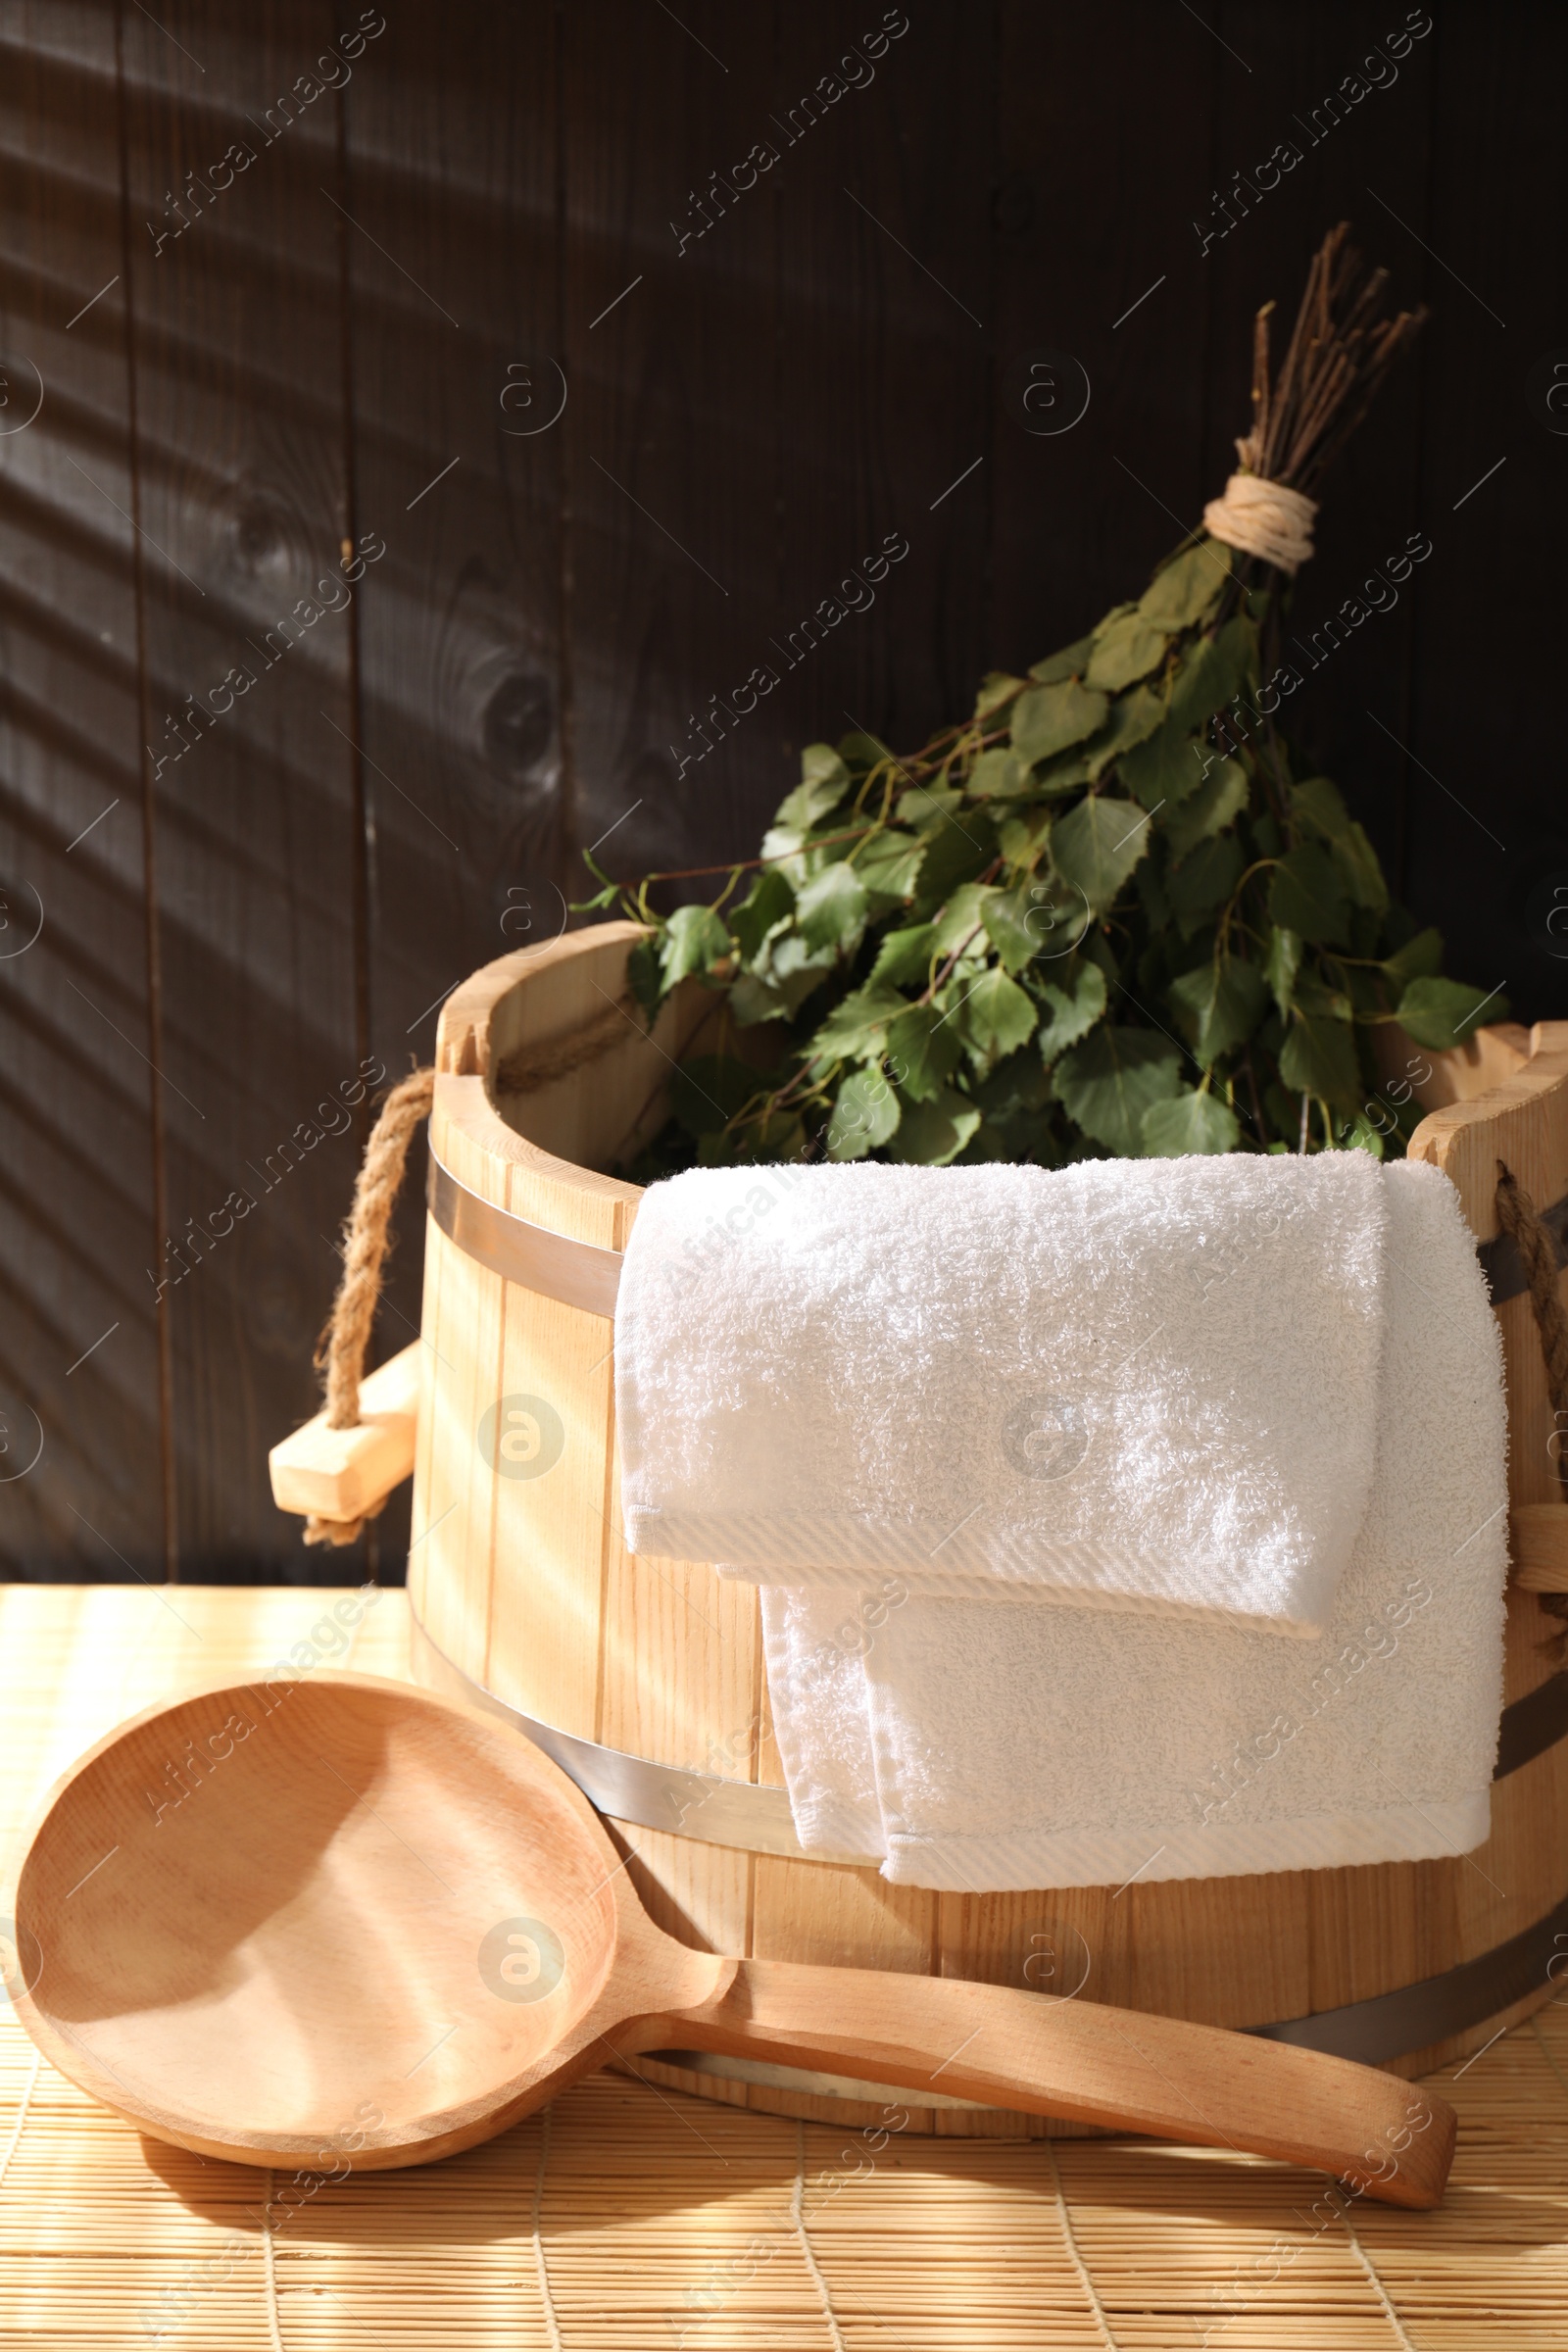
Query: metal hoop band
577, 1273
756, 1818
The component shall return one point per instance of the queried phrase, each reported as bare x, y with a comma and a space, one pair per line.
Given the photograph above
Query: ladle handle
1084, 2062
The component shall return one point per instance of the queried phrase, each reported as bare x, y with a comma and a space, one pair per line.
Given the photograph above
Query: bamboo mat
626, 2219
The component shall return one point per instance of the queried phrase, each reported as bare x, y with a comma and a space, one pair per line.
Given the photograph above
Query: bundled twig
1107, 913
1339, 354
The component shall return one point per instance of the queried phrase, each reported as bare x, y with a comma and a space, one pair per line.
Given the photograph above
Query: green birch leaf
824, 781
1357, 1135
1314, 995
1440, 1013
1281, 961
786, 955
830, 911
1305, 895
1217, 803
866, 1113
1128, 649
998, 776
1050, 718
1070, 662
1024, 923
1053, 777
1073, 1004
1016, 1085
933, 1132
1166, 768
962, 848
997, 688
1096, 845
1021, 837
922, 1051
768, 901
993, 1017
1200, 885
779, 845
1150, 887
1319, 805
927, 807
695, 939
1318, 1059
1189, 1122
1212, 674
752, 998
905, 956
1188, 586
1218, 1006
1355, 862
889, 863
856, 1025
959, 919
1132, 721
1108, 1081
643, 975
1420, 958
862, 752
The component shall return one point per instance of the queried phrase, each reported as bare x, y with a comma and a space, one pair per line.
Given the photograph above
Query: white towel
977, 1747
1146, 1385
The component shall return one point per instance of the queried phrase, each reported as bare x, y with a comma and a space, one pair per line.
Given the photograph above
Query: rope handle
367, 1237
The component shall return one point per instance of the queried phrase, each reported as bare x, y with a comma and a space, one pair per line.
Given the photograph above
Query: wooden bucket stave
523, 1587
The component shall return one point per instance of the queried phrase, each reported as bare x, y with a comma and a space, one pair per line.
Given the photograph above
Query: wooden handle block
1540, 1532
344, 1473
1087, 2063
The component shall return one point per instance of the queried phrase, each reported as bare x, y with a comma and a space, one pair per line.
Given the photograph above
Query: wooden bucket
646, 1676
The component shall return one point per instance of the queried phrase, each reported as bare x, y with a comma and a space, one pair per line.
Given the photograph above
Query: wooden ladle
343, 1922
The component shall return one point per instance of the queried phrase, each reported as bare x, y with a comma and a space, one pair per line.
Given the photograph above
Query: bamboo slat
634, 2219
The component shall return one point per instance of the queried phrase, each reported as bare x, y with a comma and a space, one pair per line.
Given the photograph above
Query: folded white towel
976, 1746
1146, 1385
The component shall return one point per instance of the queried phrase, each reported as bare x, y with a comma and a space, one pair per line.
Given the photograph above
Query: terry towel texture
1137, 1385
985, 1747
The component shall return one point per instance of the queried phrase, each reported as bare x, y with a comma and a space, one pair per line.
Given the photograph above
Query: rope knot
1259, 517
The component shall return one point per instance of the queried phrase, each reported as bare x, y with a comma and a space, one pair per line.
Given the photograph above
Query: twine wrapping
1264, 518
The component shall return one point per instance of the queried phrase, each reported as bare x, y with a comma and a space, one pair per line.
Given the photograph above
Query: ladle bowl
343, 1922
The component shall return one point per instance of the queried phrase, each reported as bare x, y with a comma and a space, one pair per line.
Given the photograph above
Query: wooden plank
450, 269
343, 1473
455, 1489
79, 1364
670, 439
1081, 516
240, 491
886, 323
545, 1581
1487, 834
1540, 1547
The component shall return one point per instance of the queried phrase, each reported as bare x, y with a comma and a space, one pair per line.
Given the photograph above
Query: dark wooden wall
364, 340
